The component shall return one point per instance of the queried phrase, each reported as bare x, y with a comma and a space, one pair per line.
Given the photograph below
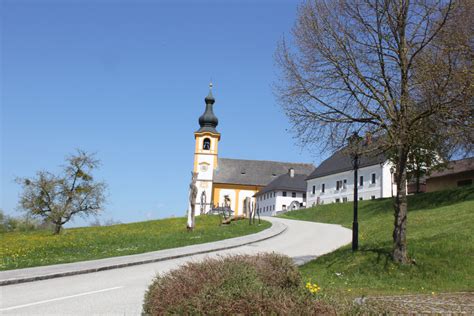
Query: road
121, 291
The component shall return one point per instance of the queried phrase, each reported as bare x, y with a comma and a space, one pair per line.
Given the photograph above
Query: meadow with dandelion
38, 248
440, 240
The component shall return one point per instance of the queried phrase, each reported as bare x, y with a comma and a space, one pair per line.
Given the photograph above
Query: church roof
208, 120
285, 182
341, 161
255, 172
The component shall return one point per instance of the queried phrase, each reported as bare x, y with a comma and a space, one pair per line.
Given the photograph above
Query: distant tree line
26, 223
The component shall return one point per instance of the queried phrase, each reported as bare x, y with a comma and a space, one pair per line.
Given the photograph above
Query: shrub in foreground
246, 285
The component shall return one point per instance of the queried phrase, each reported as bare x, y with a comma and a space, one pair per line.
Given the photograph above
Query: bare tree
58, 198
380, 68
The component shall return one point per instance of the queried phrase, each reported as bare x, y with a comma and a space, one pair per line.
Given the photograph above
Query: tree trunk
191, 218
399, 253
57, 228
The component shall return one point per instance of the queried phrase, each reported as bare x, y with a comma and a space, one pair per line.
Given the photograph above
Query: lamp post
354, 141
392, 171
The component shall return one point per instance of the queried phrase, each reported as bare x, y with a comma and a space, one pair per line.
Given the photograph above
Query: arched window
206, 145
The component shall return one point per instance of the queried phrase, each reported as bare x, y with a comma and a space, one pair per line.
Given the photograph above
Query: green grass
37, 248
440, 240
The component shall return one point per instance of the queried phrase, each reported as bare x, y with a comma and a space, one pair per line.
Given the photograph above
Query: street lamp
392, 171
354, 144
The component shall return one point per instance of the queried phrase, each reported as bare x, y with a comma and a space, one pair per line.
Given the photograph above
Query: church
225, 181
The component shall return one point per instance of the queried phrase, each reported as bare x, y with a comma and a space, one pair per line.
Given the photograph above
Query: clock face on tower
204, 167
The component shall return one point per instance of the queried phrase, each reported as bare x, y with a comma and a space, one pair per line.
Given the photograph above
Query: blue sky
127, 80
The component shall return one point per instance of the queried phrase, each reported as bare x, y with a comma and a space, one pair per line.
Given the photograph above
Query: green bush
245, 285
20, 224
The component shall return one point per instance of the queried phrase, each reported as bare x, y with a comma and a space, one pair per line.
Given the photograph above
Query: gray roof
209, 129
286, 183
255, 172
455, 166
341, 161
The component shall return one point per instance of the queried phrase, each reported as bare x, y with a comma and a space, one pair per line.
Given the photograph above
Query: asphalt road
121, 291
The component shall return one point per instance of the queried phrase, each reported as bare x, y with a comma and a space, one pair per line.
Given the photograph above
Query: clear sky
127, 80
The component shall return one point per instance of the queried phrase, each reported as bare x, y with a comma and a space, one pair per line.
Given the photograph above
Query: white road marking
60, 298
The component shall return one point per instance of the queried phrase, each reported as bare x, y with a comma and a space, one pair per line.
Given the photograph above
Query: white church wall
205, 166
230, 193
243, 194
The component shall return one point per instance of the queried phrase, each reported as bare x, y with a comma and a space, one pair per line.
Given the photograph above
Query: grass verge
38, 248
440, 240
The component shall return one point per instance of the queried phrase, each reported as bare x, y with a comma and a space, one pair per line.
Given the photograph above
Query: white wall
242, 195
381, 188
271, 205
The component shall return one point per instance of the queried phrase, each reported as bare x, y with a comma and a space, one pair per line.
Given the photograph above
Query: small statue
193, 191
203, 202
226, 201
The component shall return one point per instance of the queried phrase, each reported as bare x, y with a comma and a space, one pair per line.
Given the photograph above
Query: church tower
205, 154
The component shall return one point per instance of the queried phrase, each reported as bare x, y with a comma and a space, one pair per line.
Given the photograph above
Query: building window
314, 189
344, 199
304, 195
338, 200
373, 197
283, 207
373, 178
338, 184
293, 194
284, 193
462, 183
361, 181
323, 187
344, 184
206, 144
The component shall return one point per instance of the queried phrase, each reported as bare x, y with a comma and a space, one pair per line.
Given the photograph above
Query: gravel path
442, 303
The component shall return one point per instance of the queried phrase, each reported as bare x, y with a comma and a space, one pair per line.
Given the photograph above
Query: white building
333, 180
287, 192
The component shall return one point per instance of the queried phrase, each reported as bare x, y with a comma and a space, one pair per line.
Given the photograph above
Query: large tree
386, 68
57, 198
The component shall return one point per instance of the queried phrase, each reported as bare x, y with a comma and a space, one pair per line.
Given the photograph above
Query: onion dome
208, 120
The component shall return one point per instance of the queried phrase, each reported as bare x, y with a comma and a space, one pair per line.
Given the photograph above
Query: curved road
120, 291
